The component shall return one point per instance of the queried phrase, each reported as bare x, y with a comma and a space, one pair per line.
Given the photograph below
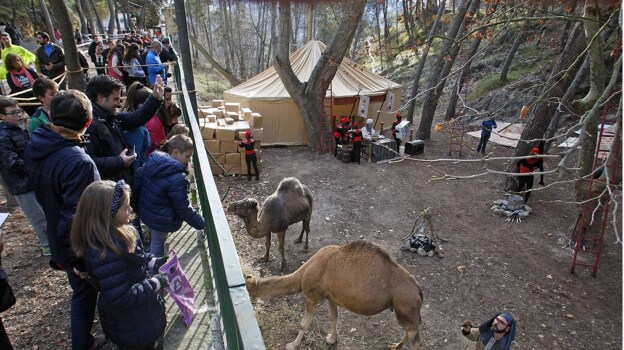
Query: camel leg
411, 336
332, 336
280, 237
305, 323
298, 240
267, 247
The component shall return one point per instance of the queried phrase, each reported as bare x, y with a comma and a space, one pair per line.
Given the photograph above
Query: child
162, 186
13, 139
250, 154
139, 138
132, 312
178, 129
44, 90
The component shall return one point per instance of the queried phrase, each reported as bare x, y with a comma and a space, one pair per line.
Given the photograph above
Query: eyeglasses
15, 112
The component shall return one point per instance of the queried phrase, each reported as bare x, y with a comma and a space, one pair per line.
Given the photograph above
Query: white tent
265, 94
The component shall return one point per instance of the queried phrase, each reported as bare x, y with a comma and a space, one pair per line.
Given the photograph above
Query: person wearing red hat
526, 167
394, 132
250, 154
356, 138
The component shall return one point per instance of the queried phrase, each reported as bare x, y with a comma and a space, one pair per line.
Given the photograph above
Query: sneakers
45, 251
98, 342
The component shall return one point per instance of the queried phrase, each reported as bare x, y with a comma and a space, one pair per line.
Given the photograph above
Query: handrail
238, 320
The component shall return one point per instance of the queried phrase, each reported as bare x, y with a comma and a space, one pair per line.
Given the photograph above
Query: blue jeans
83, 302
157, 242
31, 208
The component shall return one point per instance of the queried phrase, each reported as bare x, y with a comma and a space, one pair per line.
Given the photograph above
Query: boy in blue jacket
163, 186
486, 131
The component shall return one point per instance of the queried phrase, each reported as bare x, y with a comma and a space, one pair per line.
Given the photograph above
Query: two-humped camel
360, 277
289, 204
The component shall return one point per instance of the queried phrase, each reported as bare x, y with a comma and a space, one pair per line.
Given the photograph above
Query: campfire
514, 209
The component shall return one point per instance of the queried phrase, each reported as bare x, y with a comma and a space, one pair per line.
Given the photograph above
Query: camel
360, 277
290, 203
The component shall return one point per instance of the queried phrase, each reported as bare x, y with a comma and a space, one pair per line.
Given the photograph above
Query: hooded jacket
106, 138
59, 171
131, 312
162, 187
13, 140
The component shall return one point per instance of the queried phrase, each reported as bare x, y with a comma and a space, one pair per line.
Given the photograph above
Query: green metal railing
238, 320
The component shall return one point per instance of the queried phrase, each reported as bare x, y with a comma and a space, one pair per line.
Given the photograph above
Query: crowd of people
82, 162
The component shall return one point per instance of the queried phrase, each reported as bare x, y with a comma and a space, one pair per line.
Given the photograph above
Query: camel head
244, 208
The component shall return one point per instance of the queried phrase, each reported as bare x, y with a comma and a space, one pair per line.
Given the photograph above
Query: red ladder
589, 229
457, 129
326, 136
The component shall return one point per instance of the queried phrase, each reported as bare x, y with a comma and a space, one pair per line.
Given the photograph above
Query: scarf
22, 72
487, 334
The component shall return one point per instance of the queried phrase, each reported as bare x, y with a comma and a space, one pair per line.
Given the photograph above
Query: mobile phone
130, 151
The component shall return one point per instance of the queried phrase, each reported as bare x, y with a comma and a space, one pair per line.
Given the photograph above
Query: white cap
369, 121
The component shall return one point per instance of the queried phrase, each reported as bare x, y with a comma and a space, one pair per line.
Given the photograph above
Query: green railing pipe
238, 320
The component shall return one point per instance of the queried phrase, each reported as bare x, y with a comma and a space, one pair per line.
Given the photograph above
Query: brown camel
360, 277
289, 204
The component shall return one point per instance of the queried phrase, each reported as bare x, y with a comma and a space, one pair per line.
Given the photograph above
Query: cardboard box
257, 134
215, 169
232, 158
221, 122
225, 134
217, 103
256, 120
232, 107
233, 168
218, 157
232, 115
246, 113
228, 121
208, 131
211, 118
203, 112
218, 113
241, 126
212, 146
228, 146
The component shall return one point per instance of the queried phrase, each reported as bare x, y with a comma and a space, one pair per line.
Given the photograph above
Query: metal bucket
516, 201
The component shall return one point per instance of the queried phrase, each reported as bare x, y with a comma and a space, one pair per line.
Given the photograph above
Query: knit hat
355, 124
369, 121
248, 134
398, 115
71, 109
535, 150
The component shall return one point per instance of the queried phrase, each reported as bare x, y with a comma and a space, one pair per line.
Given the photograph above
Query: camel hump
364, 246
289, 184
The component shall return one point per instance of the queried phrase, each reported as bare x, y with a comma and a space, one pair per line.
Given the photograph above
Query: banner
179, 287
389, 101
363, 110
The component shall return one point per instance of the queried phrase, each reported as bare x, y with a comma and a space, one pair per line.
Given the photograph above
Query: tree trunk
81, 16
111, 18
408, 21
48, 21
309, 96
514, 47
310, 22
141, 19
421, 63
559, 80
75, 78
594, 43
440, 71
465, 70
97, 16
34, 11
116, 7
129, 23
580, 77
89, 16
229, 76
183, 41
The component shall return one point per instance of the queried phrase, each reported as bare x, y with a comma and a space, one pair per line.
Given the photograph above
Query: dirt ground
518, 267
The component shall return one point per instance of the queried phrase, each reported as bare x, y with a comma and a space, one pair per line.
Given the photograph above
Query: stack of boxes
223, 126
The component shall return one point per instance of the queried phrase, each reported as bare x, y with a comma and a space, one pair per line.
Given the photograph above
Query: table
382, 149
